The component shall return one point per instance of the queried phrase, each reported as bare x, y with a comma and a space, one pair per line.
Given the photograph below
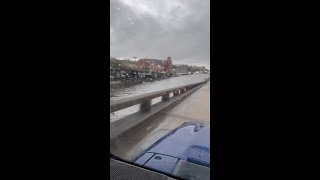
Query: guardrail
125, 124
145, 99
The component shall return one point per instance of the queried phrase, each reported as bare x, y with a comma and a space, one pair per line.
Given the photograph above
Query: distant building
155, 64
168, 64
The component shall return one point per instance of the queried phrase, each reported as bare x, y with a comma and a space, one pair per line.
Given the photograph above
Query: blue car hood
189, 142
178, 142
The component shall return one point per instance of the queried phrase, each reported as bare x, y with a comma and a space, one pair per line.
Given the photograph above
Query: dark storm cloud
161, 28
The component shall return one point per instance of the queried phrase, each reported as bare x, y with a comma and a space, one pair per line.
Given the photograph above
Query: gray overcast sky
161, 28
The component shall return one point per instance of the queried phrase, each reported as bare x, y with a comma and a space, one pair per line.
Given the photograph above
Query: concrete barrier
116, 105
125, 124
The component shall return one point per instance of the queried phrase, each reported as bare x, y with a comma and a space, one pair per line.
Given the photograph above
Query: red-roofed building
155, 65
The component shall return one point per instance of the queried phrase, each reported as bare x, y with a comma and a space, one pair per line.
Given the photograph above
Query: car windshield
160, 85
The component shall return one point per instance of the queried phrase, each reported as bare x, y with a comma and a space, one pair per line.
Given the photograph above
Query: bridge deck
195, 108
